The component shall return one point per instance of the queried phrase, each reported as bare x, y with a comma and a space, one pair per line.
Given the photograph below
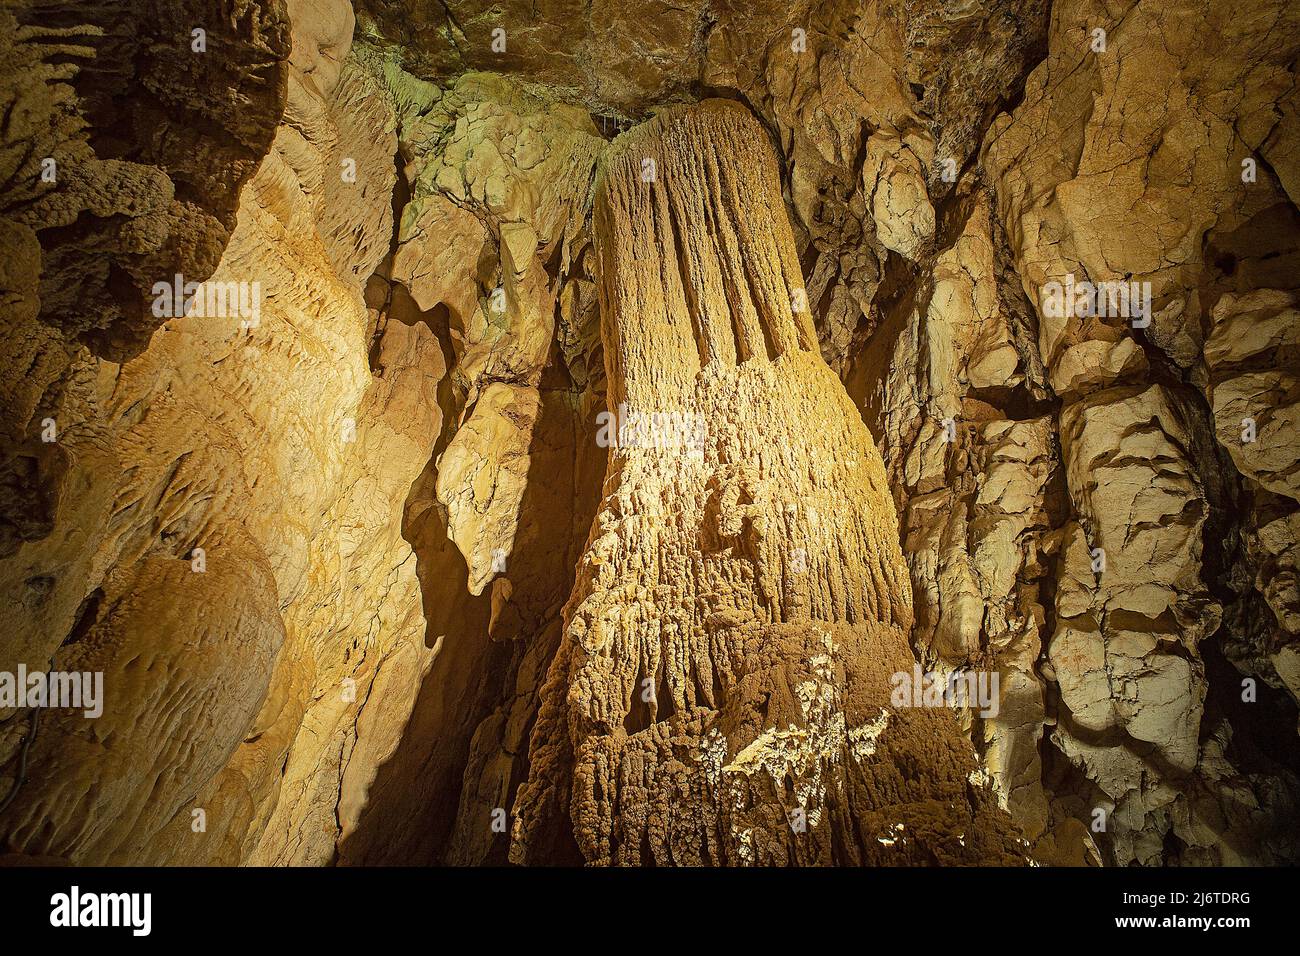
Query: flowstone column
722, 692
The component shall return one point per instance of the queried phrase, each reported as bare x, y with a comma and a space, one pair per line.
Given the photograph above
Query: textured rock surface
122, 155
438, 621
274, 450
742, 602
1116, 167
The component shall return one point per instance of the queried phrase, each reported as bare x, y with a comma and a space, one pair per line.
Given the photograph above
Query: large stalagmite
366, 582
722, 691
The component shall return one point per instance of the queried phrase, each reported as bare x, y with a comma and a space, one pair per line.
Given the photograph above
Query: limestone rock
1253, 354
175, 511
751, 690
635, 393
482, 476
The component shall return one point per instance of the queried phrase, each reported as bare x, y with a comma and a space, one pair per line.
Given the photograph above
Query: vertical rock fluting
722, 690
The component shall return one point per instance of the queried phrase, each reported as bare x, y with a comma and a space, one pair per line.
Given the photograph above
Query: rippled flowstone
721, 693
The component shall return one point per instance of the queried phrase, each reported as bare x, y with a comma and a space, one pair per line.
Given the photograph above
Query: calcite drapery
721, 694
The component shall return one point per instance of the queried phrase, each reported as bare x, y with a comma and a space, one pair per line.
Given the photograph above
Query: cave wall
412, 540
265, 442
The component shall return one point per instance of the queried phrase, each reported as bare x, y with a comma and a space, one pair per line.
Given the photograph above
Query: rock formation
742, 601
477, 433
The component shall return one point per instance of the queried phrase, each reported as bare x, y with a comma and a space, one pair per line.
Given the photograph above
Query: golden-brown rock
721, 693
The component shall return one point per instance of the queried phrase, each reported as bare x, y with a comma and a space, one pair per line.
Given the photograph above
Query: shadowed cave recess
858, 432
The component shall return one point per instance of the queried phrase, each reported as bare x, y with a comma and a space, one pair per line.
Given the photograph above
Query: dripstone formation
721, 692
581, 433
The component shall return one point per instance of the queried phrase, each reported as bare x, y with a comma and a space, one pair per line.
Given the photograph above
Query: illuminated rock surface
367, 586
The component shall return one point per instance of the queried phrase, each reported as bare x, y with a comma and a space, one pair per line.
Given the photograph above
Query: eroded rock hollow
833, 433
